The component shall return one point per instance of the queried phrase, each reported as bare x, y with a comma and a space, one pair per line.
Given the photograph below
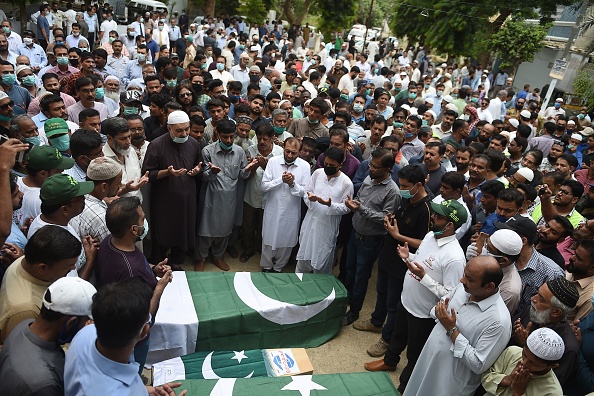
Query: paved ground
346, 353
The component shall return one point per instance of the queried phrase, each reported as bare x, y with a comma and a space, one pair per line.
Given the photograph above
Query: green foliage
460, 27
517, 42
336, 16
583, 86
254, 10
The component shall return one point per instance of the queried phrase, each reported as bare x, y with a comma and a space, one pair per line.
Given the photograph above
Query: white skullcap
444, 65
103, 168
576, 136
177, 117
307, 102
514, 122
525, 113
447, 75
560, 100
507, 242
527, 173
3, 95
571, 122
282, 102
414, 111
430, 100
448, 99
506, 134
405, 106
546, 344
432, 114
20, 68
108, 78
451, 106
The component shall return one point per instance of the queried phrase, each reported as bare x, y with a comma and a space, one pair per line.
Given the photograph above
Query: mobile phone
3, 139
542, 190
23, 156
205, 166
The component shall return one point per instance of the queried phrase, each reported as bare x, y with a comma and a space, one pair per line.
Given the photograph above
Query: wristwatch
451, 331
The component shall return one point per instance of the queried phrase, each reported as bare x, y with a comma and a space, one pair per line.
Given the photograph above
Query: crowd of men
125, 157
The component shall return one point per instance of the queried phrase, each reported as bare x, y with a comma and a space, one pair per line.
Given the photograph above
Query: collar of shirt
445, 240
583, 283
474, 188
27, 276
125, 373
218, 148
486, 303
95, 201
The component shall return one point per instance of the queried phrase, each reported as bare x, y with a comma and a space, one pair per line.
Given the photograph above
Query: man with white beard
112, 89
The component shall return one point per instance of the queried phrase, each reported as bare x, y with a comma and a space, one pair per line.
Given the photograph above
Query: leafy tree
456, 27
583, 86
254, 10
517, 42
334, 15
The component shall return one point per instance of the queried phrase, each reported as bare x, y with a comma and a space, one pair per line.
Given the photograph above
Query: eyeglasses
5, 106
185, 94
136, 130
559, 143
493, 255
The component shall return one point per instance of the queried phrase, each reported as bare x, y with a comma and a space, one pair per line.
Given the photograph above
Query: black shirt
151, 124
413, 222
554, 254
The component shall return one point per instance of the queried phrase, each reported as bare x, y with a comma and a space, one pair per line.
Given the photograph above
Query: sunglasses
559, 143
188, 94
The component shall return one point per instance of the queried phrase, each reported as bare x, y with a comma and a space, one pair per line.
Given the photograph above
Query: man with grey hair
550, 306
279, 123
118, 149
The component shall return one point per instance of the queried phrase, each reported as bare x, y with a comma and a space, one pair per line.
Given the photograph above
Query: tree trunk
24, 16
497, 23
209, 8
291, 17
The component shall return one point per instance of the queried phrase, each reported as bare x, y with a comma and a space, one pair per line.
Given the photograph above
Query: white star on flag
303, 384
239, 356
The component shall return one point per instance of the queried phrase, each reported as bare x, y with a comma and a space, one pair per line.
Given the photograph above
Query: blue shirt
489, 224
363, 172
133, 71
88, 372
36, 54
153, 47
21, 98
42, 24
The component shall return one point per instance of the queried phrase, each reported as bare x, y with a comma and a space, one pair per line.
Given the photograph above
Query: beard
113, 95
540, 317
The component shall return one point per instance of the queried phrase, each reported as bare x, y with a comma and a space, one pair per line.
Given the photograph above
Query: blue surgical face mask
224, 146
61, 143
412, 95
130, 110
63, 60
454, 96
34, 140
171, 83
439, 233
99, 93
220, 66
29, 81
180, 140
409, 135
557, 105
234, 98
312, 122
424, 122
279, 130
397, 124
9, 79
406, 194
474, 100
367, 92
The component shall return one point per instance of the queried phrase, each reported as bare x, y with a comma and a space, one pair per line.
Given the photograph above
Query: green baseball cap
62, 188
452, 210
48, 157
54, 127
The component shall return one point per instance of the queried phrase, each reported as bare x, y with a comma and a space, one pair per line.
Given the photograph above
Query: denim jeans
362, 251
141, 350
388, 290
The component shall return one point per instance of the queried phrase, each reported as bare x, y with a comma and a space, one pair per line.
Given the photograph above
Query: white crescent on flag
279, 312
208, 372
223, 387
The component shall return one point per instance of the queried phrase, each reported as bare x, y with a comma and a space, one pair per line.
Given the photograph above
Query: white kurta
320, 226
282, 211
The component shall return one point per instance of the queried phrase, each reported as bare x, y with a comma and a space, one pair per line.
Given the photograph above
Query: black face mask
67, 334
254, 78
560, 128
73, 62
330, 170
197, 88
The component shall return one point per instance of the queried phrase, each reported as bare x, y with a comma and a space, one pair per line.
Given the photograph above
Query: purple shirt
114, 265
349, 166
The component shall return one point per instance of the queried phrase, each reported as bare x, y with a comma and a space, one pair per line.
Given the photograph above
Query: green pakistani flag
243, 310
211, 365
355, 384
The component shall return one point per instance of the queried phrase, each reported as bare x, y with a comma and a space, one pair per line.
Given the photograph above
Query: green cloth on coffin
267, 310
202, 365
355, 384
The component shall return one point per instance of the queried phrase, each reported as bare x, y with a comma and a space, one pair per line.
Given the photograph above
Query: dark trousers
42, 43
362, 251
388, 290
344, 235
176, 256
252, 228
91, 38
411, 333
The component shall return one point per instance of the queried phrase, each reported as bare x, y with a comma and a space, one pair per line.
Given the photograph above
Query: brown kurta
173, 198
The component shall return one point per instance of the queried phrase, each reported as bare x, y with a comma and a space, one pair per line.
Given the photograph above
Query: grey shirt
30, 365
220, 190
377, 200
302, 128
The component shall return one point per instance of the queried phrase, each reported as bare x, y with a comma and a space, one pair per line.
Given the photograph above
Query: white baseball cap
70, 296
